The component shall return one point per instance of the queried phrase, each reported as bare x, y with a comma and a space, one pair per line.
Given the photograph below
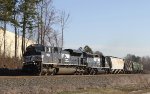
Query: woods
33, 20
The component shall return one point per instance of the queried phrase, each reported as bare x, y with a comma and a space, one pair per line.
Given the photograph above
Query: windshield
35, 49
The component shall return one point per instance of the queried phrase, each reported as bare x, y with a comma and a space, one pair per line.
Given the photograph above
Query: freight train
44, 60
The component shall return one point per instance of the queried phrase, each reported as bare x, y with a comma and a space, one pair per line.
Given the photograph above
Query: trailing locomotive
44, 60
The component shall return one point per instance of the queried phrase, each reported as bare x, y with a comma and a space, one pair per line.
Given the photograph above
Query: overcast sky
114, 27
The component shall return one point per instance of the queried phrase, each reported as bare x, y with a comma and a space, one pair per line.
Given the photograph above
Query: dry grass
10, 62
96, 91
108, 91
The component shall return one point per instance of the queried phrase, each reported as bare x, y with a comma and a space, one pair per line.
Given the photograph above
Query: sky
114, 27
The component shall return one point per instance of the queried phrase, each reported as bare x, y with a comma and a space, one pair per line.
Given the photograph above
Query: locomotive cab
32, 58
38, 58
33, 53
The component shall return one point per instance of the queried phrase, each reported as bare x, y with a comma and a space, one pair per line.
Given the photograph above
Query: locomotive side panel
51, 58
97, 62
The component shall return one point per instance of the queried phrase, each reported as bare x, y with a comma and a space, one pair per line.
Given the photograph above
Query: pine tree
28, 13
88, 49
6, 15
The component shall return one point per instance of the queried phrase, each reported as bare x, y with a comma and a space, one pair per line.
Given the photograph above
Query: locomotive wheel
76, 73
81, 73
93, 72
54, 71
86, 72
42, 73
107, 71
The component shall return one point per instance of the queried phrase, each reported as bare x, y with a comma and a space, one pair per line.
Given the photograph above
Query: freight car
137, 67
116, 65
133, 67
44, 60
128, 66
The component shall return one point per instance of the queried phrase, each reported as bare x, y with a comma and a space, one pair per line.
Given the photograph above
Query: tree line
145, 60
36, 20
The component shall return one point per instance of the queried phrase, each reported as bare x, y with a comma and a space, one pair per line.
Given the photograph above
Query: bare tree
56, 38
63, 22
53, 38
1, 41
146, 63
15, 15
4, 35
47, 19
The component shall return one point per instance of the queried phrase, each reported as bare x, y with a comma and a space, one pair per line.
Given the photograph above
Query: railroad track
70, 76
18, 72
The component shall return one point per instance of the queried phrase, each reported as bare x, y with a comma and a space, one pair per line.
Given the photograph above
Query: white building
10, 43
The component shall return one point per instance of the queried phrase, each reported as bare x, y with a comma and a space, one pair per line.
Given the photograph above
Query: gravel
59, 83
